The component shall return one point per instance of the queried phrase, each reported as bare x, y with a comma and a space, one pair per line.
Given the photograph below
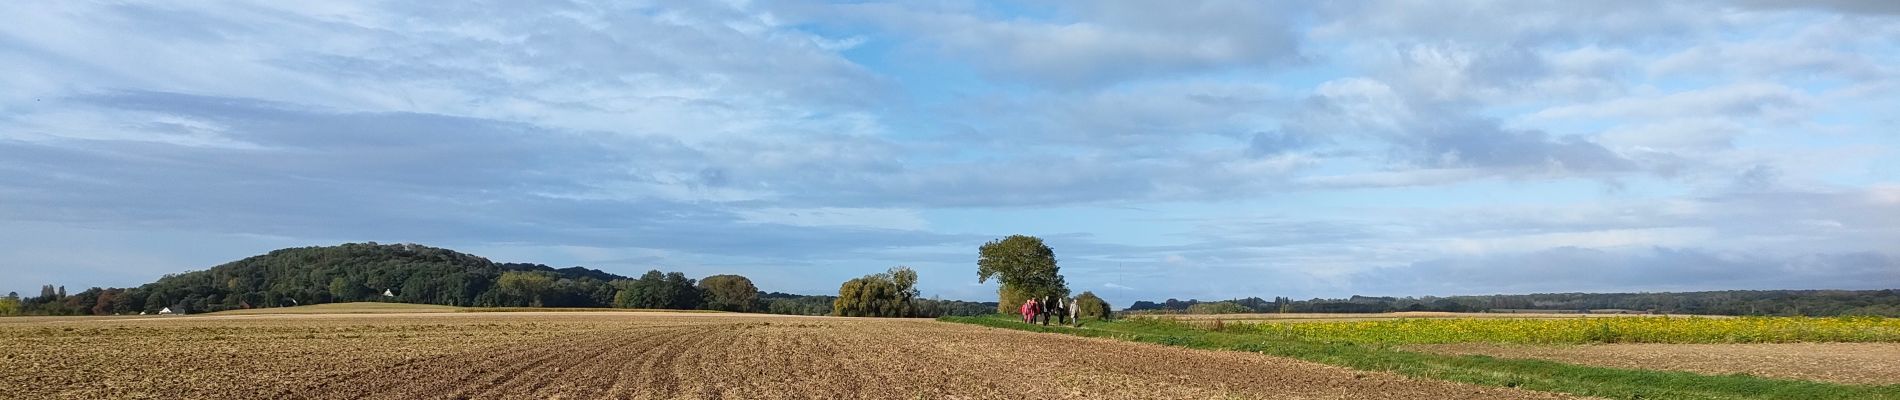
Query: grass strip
1540, 375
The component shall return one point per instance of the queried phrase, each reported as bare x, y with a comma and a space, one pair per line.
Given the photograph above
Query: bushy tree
888, 294
10, 305
1219, 307
649, 291
785, 303
729, 292
625, 295
525, 288
103, 305
343, 289
681, 294
1025, 267
658, 290
1088, 304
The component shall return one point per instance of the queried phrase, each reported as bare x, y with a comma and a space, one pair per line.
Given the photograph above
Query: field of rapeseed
1586, 330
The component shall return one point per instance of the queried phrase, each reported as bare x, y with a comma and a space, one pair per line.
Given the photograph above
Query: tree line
403, 273
1024, 266
409, 273
1820, 303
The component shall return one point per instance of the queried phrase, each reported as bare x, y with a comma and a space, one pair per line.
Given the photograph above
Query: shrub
1224, 307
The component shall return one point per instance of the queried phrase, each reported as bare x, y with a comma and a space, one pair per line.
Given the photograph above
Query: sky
1164, 149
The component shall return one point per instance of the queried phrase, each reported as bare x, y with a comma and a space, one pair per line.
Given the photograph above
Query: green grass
1582, 330
1540, 375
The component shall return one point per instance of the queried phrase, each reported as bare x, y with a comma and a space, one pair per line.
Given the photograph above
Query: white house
167, 310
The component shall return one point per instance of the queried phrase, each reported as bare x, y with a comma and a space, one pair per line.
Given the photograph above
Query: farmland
1384, 345
1585, 330
640, 355
1851, 363
1344, 317
376, 350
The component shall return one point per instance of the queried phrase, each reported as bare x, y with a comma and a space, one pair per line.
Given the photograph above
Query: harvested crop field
641, 355
1852, 363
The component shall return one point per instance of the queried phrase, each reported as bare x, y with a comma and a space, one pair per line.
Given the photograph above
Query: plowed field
640, 355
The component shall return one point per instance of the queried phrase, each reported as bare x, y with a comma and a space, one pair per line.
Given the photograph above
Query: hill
359, 272
404, 273
371, 273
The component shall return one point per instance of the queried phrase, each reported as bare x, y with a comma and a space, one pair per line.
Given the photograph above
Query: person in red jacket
1029, 311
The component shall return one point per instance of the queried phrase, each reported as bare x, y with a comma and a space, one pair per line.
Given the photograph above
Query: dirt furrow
649, 356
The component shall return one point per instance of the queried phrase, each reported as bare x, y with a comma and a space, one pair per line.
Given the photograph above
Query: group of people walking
1063, 310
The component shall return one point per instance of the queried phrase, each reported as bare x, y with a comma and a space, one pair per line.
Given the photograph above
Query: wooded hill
410, 273
405, 273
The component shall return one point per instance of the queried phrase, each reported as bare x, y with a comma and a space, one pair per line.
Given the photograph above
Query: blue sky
1165, 149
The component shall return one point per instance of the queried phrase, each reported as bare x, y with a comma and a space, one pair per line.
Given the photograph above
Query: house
388, 293
167, 310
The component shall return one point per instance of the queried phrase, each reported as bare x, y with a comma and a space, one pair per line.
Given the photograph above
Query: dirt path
646, 356
1853, 363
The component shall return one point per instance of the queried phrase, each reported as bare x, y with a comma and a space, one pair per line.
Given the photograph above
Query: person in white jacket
1072, 313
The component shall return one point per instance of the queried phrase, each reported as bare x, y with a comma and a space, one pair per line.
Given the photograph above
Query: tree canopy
1025, 267
407, 273
888, 294
1088, 304
729, 293
657, 290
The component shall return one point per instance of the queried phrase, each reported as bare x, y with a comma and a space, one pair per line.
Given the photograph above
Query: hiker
1023, 311
1062, 310
1048, 307
1072, 312
1029, 311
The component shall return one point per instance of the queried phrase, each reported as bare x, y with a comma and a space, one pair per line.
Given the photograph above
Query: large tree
681, 295
1088, 304
650, 291
525, 287
659, 290
729, 292
888, 294
1025, 267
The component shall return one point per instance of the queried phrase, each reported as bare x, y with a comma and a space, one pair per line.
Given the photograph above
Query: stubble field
641, 355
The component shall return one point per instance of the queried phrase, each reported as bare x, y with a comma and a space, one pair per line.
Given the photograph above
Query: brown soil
641, 355
1854, 363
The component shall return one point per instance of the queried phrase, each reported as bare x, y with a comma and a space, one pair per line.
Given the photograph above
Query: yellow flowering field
1587, 330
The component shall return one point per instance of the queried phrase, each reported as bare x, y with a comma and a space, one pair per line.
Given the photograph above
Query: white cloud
883, 218
1093, 44
775, 136
1600, 239
1742, 101
1690, 133
1886, 194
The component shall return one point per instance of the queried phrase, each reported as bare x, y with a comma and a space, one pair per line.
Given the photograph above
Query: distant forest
1729, 302
409, 273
